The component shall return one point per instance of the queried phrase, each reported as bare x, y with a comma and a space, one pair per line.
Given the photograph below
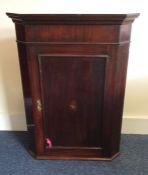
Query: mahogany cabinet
73, 70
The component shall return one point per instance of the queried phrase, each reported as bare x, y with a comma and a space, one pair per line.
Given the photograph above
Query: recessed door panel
72, 99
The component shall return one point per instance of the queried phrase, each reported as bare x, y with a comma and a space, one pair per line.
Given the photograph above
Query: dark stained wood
71, 33
73, 70
70, 101
73, 18
20, 33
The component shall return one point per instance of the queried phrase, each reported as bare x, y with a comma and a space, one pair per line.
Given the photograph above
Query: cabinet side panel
119, 91
120, 53
22, 52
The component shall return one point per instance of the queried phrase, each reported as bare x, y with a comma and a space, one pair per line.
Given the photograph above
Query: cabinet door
72, 89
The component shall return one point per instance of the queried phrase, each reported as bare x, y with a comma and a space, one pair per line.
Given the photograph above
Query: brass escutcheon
39, 105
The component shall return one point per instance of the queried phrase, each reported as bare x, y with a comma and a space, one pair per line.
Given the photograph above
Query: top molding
107, 19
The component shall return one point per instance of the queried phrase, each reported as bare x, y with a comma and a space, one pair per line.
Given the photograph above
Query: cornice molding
107, 19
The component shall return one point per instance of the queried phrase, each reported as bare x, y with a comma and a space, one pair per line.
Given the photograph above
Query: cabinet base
47, 157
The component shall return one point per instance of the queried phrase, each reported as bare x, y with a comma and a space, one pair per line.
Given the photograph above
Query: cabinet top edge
73, 18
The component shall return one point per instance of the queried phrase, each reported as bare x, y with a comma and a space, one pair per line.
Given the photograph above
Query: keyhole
73, 105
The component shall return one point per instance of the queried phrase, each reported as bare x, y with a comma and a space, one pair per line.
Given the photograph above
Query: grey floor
15, 160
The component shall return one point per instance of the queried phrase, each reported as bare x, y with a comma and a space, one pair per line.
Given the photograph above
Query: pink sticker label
48, 141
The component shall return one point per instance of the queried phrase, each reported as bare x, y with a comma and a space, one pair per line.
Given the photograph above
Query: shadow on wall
136, 97
11, 98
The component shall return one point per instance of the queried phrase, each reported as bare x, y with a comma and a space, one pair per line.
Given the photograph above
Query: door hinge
39, 105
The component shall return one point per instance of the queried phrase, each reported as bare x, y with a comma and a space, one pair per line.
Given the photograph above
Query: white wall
12, 116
